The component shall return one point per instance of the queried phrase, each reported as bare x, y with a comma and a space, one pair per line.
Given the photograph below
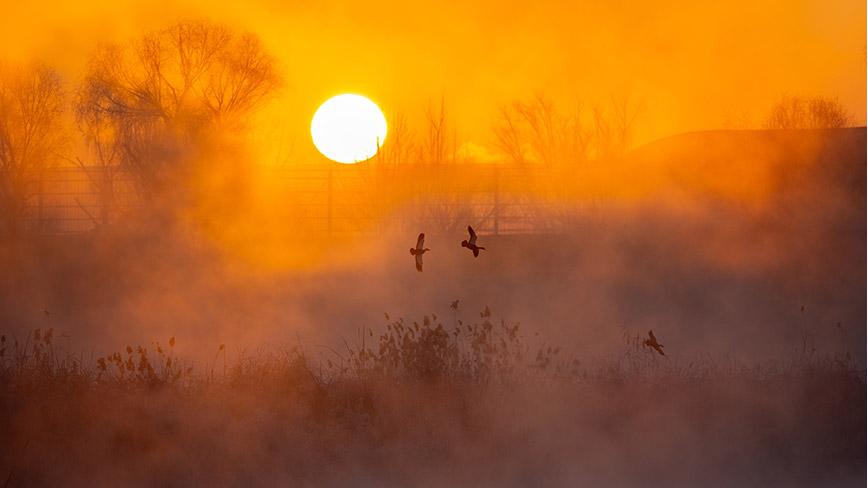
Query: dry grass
427, 403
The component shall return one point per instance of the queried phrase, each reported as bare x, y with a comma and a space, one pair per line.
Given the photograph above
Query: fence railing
330, 199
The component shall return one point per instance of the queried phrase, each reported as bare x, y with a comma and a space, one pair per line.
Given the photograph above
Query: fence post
40, 200
497, 199
330, 200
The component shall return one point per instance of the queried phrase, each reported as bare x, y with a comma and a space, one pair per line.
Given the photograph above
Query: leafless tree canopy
440, 144
31, 106
160, 94
613, 128
102, 160
808, 113
537, 131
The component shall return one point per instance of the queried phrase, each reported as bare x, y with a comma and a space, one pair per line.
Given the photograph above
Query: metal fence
67, 200
330, 199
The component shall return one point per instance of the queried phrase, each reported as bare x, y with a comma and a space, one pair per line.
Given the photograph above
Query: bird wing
419, 262
420, 241
472, 235
651, 335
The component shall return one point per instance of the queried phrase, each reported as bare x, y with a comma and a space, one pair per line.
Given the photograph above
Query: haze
688, 65
670, 206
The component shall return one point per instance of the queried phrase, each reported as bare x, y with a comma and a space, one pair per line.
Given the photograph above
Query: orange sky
692, 65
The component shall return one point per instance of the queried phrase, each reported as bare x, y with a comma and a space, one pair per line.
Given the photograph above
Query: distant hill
752, 164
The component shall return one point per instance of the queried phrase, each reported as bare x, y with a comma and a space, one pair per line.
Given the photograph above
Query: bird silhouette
419, 250
471, 243
651, 342
454, 305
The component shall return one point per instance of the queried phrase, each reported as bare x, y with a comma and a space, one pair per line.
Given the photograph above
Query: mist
192, 294
690, 66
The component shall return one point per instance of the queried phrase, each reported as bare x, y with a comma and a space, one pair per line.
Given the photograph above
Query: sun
348, 128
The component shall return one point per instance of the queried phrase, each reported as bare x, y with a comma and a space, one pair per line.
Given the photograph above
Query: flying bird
419, 250
651, 342
454, 306
471, 243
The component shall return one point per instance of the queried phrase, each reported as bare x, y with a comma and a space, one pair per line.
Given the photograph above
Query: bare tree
613, 128
548, 146
399, 146
792, 112
509, 136
31, 107
168, 92
554, 147
102, 161
444, 207
385, 173
535, 131
440, 144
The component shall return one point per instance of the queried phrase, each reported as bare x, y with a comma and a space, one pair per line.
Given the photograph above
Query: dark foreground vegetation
435, 403
478, 402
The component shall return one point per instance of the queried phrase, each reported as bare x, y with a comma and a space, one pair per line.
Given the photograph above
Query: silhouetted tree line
31, 107
148, 108
816, 112
152, 108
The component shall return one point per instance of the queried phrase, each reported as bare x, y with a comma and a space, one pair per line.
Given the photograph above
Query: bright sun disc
348, 128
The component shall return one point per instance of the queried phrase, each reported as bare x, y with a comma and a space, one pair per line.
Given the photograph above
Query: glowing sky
692, 65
